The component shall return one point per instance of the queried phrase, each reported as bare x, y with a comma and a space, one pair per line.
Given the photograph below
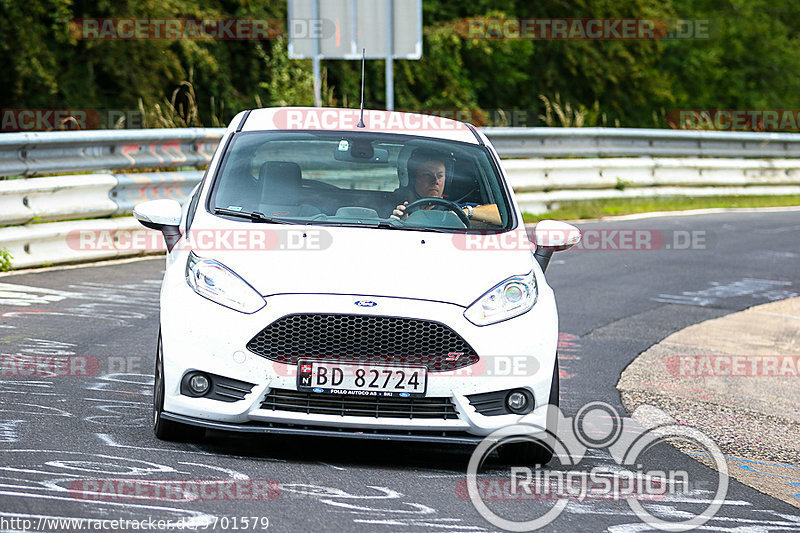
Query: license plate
361, 379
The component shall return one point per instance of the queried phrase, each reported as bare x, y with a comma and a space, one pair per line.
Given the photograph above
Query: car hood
432, 266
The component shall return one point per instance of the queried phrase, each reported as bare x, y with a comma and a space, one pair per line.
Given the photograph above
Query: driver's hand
399, 211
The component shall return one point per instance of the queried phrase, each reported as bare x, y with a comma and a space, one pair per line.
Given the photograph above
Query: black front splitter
444, 437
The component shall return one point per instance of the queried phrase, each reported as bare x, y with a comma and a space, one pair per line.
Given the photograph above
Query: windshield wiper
255, 216
427, 228
367, 224
380, 224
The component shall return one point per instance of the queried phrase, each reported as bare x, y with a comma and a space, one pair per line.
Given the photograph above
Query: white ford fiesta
362, 275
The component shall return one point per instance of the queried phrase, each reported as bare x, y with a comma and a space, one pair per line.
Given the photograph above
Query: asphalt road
59, 433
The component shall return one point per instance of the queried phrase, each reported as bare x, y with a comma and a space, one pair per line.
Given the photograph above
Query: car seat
281, 184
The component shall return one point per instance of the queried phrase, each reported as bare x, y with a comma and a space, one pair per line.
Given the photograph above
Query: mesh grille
351, 405
376, 339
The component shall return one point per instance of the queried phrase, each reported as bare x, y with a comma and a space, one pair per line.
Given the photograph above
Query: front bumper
198, 334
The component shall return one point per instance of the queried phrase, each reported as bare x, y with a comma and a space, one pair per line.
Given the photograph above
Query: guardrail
88, 195
545, 166
630, 142
540, 184
28, 154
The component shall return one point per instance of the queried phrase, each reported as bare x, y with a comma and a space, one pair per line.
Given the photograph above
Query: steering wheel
452, 206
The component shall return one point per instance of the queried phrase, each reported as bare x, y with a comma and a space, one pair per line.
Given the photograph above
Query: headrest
280, 182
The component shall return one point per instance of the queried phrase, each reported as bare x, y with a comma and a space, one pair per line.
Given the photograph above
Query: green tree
750, 61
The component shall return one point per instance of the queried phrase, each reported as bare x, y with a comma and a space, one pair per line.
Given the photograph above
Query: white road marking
429, 523
757, 288
26, 296
332, 466
8, 430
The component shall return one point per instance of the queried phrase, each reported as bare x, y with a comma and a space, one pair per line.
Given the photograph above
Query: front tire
539, 452
167, 429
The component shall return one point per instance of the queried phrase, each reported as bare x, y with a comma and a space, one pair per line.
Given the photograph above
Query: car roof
376, 121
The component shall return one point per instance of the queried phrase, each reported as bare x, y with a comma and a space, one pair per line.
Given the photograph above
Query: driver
426, 179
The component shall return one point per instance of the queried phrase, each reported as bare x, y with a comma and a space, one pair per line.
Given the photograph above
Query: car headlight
508, 299
213, 280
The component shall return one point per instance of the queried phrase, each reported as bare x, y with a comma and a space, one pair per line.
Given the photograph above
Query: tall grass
180, 110
566, 115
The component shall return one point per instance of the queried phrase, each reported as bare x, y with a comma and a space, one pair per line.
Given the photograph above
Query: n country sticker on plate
333, 377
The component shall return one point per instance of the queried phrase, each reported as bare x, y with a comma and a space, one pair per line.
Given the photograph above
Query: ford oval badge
317, 389
404, 395
366, 303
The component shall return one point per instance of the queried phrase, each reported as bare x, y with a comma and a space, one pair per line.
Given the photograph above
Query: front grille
352, 405
365, 339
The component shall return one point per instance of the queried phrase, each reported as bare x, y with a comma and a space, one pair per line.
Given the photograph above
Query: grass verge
629, 206
5, 260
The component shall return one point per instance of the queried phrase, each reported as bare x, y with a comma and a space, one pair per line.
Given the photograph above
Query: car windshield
365, 179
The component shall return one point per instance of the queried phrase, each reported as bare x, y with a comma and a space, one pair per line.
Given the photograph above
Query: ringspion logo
597, 425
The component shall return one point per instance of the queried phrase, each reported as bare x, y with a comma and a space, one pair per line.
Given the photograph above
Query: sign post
340, 29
